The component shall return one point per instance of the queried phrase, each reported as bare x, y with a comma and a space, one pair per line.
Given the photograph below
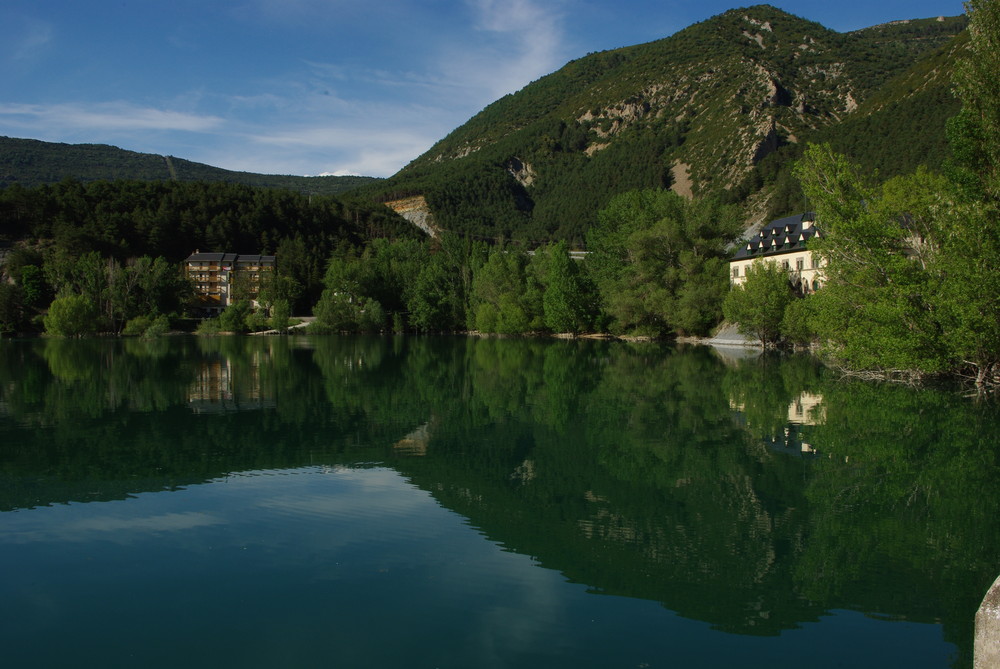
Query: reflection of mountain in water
634, 469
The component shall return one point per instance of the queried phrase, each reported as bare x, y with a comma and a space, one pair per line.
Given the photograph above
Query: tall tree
877, 308
975, 132
565, 300
649, 248
758, 304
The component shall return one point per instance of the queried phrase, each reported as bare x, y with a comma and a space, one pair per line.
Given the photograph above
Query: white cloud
120, 527
35, 39
106, 115
339, 173
528, 43
371, 149
331, 111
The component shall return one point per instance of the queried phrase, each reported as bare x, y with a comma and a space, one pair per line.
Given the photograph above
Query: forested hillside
29, 162
717, 109
54, 229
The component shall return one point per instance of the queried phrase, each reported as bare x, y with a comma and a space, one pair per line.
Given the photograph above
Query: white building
783, 241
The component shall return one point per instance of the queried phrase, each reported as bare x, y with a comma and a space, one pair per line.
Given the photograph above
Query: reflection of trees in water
636, 469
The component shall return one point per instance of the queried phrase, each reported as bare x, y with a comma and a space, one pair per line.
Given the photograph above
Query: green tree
435, 302
11, 308
565, 300
71, 316
758, 304
878, 310
975, 133
280, 314
234, 317
502, 299
32, 282
970, 248
655, 260
797, 322
256, 320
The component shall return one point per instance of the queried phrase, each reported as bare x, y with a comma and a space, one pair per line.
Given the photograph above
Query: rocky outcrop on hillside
416, 211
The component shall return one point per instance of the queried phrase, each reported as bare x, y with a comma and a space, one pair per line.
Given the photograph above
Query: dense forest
83, 239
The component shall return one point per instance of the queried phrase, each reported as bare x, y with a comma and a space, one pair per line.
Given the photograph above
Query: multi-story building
783, 241
220, 278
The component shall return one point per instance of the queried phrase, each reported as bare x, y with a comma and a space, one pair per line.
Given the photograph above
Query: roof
785, 235
197, 256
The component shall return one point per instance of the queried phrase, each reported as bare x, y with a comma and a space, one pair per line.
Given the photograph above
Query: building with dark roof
218, 278
782, 241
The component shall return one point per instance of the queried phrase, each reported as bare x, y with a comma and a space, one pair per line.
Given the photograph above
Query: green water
452, 502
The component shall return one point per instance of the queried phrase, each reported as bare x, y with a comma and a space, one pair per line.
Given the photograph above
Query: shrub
71, 316
137, 326
209, 326
158, 327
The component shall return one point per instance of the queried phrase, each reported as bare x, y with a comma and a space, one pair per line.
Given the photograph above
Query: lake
459, 502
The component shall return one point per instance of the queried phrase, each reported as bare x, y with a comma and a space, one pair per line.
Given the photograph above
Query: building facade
221, 278
783, 241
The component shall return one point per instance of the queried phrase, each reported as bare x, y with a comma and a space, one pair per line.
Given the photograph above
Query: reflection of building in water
219, 388
805, 410
791, 442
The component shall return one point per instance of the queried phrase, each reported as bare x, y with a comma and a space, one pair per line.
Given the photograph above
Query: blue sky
317, 86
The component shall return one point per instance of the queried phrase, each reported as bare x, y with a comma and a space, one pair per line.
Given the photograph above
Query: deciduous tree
758, 304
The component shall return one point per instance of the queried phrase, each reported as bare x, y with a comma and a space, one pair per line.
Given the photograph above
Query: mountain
720, 108
30, 162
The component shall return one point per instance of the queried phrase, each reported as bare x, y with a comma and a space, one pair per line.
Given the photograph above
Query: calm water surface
439, 502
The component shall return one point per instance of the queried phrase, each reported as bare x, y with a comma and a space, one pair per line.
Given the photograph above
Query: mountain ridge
31, 162
719, 109
713, 101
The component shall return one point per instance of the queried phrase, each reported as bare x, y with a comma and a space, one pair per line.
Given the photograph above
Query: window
784, 263
800, 264
736, 272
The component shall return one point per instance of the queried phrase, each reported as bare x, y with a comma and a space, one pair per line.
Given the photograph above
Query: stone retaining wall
987, 651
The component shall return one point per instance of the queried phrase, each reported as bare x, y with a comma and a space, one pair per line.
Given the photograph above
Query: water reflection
756, 495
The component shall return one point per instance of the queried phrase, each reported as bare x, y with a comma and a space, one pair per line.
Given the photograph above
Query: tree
280, 313
975, 133
11, 308
970, 249
71, 316
565, 300
877, 310
32, 282
797, 323
234, 317
434, 303
504, 294
758, 304
655, 261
